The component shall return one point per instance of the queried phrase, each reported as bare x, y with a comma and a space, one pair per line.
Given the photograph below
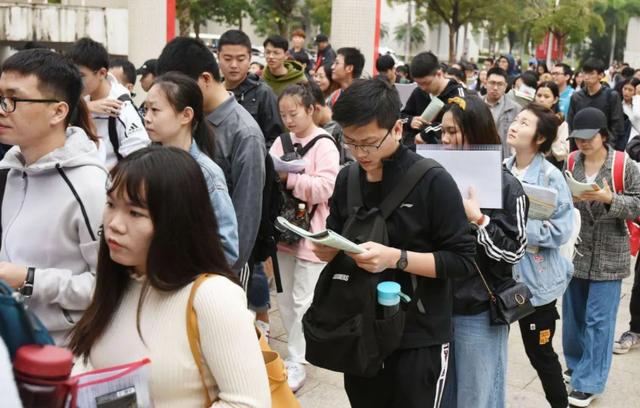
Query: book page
327, 237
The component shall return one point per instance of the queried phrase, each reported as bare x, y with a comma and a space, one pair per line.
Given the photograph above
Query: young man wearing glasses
279, 72
118, 123
504, 110
427, 245
52, 190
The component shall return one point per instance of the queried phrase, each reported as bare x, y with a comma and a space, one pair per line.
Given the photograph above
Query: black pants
634, 305
537, 335
411, 378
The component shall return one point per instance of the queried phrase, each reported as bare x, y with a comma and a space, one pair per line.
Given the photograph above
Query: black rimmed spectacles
366, 149
8, 103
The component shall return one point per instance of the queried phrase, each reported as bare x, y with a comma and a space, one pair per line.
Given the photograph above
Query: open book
577, 187
542, 201
326, 237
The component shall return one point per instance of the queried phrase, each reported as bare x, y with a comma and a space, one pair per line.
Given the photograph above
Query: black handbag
509, 304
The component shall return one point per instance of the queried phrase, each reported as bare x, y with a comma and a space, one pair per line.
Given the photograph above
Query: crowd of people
145, 199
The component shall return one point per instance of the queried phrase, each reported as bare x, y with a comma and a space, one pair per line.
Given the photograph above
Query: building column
356, 23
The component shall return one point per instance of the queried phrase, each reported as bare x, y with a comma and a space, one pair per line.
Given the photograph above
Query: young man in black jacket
602, 97
427, 72
234, 52
427, 247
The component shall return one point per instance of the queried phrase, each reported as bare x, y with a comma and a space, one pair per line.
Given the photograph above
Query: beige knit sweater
236, 373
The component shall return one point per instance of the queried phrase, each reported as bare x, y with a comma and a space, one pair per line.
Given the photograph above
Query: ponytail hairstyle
183, 92
58, 78
547, 127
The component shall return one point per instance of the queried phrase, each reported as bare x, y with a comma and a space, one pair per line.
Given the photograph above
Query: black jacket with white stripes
499, 245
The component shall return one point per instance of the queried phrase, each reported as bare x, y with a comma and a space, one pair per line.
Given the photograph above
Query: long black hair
183, 92
185, 240
473, 117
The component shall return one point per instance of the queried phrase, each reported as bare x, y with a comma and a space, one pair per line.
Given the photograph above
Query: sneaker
627, 341
264, 327
580, 399
296, 374
567, 375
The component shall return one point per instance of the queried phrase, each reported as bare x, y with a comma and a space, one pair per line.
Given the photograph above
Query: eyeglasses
8, 103
366, 149
494, 84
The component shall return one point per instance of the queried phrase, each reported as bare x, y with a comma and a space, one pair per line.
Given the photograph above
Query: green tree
415, 33
192, 14
275, 16
454, 14
320, 14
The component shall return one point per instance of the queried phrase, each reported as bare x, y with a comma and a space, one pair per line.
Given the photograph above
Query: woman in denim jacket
542, 269
590, 305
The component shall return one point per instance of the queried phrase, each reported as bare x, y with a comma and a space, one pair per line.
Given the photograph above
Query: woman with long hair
324, 78
160, 234
481, 348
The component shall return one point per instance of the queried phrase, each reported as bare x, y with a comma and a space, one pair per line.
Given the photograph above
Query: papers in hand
294, 166
326, 237
577, 187
120, 386
432, 110
542, 201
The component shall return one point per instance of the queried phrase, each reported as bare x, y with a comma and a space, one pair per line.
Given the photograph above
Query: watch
402, 262
26, 289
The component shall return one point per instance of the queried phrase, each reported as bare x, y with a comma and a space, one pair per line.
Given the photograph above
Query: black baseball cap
149, 67
587, 123
321, 38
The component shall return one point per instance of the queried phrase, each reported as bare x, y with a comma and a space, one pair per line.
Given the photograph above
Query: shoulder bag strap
354, 193
408, 183
194, 334
486, 285
3, 186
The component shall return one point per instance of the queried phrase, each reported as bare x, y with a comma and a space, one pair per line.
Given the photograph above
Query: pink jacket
314, 186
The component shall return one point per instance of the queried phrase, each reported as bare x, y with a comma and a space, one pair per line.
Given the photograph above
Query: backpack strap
287, 144
571, 160
617, 172
113, 131
354, 193
194, 334
3, 186
408, 183
304, 150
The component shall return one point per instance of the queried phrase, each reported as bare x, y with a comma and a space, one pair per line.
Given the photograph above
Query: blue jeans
258, 290
480, 361
589, 311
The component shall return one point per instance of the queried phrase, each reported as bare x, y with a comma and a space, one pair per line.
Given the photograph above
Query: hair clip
462, 104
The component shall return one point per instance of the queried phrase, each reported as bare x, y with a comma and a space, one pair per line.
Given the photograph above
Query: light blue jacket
543, 269
221, 202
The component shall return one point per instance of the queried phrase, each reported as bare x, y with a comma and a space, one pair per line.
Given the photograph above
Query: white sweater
236, 373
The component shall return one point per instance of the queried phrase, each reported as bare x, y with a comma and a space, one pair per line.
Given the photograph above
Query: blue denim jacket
221, 202
543, 269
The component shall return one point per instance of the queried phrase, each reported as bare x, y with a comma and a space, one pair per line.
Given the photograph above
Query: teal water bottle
388, 299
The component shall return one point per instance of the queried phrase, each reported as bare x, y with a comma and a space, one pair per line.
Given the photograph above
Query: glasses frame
15, 100
365, 148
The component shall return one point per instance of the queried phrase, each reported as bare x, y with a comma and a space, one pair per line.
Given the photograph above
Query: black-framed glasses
8, 103
366, 149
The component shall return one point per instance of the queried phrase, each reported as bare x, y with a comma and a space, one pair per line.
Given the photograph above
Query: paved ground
324, 388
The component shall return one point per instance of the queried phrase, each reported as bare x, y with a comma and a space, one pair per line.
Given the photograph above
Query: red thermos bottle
42, 375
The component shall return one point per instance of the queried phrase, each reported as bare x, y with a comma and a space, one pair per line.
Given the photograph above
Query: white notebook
326, 237
577, 187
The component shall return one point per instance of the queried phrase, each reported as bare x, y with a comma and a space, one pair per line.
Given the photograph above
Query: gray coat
604, 250
510, 110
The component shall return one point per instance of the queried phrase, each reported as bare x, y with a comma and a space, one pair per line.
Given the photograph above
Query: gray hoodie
51, 213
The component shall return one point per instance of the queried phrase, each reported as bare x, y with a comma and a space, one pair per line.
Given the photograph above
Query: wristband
26, 289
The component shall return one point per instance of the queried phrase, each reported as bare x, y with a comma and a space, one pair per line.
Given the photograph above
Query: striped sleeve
505, 238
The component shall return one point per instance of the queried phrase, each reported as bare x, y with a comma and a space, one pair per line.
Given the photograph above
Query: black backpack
340, 327
113, 132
